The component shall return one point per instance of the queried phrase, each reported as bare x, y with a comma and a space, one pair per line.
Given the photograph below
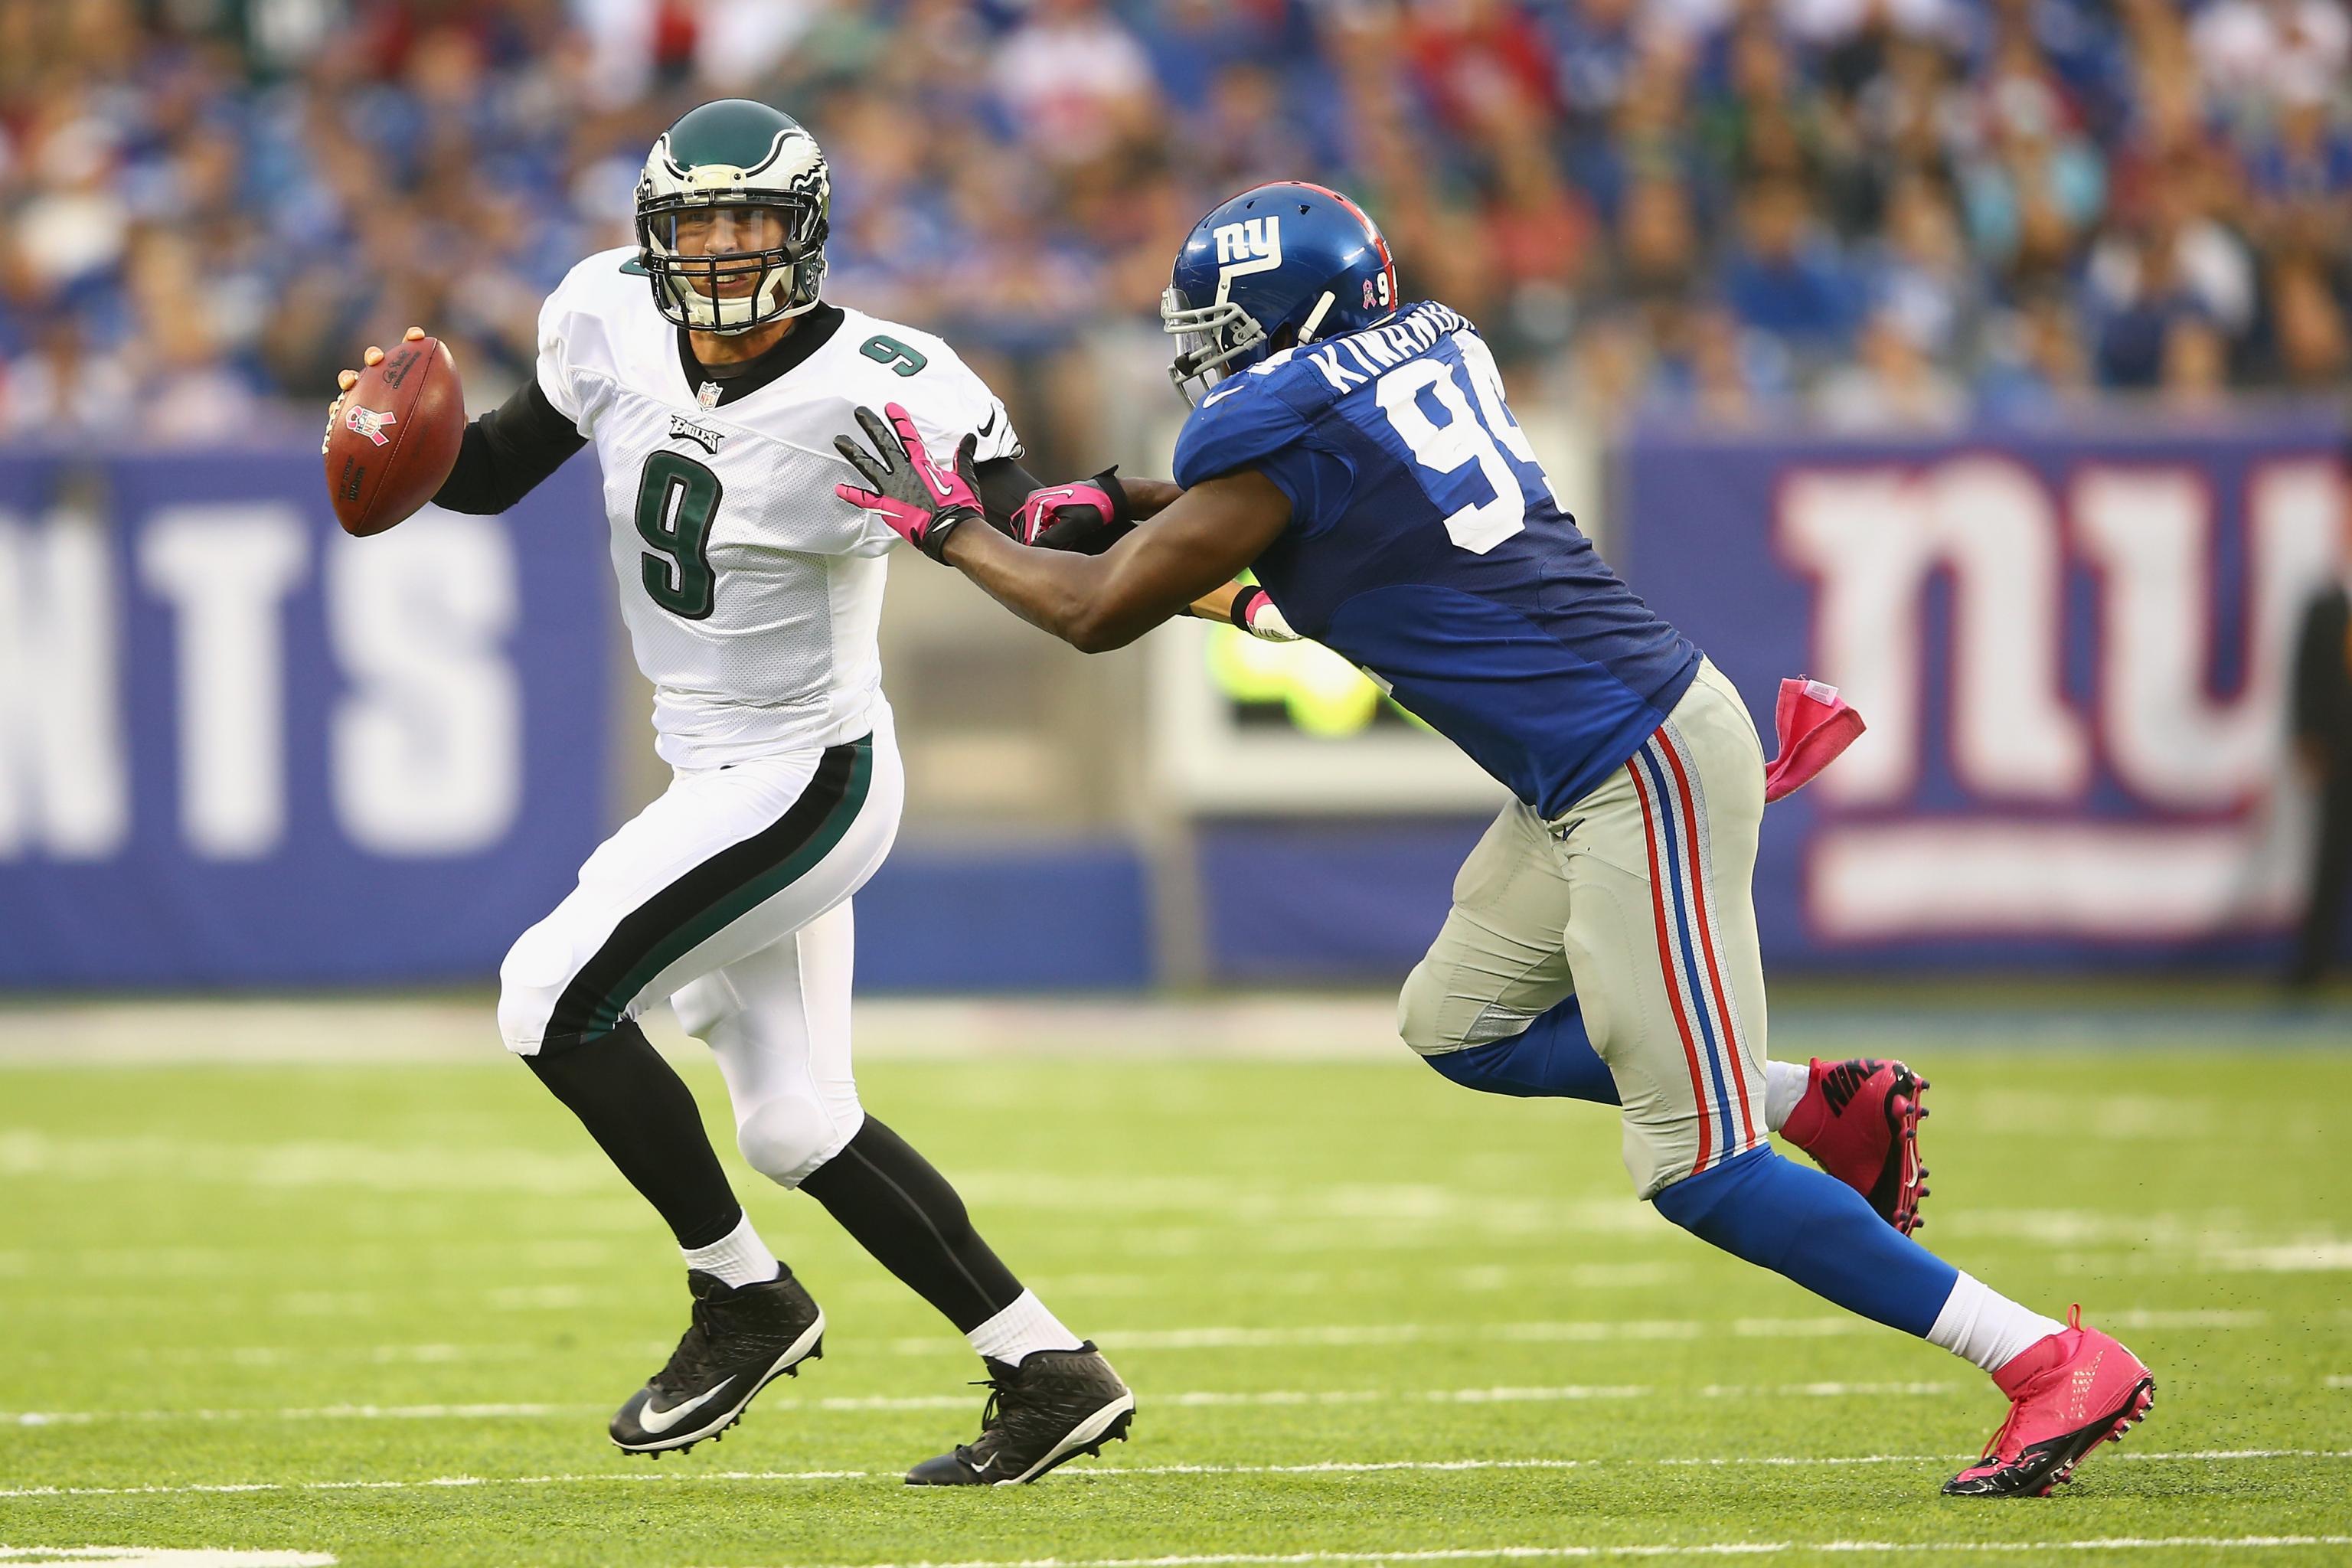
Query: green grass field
380, 1313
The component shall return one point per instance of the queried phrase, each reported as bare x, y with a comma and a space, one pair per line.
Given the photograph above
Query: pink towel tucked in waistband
1814, 724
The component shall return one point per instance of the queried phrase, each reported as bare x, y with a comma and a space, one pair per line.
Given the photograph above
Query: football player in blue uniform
1355, 453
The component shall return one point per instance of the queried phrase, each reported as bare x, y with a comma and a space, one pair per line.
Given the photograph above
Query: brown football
395, 437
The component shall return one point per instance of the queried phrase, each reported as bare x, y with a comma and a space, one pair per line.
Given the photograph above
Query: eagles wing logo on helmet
815, 182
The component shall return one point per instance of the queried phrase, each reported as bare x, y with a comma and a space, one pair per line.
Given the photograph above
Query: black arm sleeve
1005, 484
508, 451
2313, 662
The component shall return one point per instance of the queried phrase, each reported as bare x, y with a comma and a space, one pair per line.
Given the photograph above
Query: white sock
1784, 1085
1981, 1325
1021, 1327
739, 1257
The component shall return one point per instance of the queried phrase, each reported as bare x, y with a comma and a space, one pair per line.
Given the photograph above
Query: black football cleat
1053, 1407
742, 1338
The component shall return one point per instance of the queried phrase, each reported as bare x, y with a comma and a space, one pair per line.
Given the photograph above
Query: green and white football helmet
744, 159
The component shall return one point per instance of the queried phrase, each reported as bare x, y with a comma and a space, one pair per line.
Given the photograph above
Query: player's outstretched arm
1190, 552
1092, 602
1150, 498
1089, 516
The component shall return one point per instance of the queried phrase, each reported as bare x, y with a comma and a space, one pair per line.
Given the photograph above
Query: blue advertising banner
2072, 652
237, 747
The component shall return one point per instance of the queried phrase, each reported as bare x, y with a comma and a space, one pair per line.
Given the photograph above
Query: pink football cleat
2067, 1395
1859, 1119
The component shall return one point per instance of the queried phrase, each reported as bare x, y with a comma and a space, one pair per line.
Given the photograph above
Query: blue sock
1811, 1227
1552, 1058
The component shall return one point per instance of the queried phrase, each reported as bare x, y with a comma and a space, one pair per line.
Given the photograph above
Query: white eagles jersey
751, 590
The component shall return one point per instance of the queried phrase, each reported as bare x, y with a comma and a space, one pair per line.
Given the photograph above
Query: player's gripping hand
1254, 613
923, 502
1088, 517
346, 379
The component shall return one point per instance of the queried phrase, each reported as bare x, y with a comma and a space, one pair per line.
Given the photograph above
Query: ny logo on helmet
1252, 244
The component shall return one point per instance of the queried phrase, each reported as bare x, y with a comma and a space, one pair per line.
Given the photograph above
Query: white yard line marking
1110, 1472
1708, 1549
2303, 1258
1468, 1277
1448, 1555
2184, 1317
1137, 1340
1359, 1467
166, 1557
618, 1478
1191, 1398
1226, 1337
316, 1412
1567, 1330
1216, 1336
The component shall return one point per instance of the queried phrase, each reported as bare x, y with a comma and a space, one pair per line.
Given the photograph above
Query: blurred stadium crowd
1873, 212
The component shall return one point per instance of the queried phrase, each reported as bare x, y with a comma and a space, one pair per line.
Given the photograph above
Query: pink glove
923, 502
1088, 516
1814, 724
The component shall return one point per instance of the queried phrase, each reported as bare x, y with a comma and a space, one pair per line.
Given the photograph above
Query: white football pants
730, 895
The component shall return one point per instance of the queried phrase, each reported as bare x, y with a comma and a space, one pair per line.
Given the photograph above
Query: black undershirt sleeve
1005, 484
2319, 659
508, 451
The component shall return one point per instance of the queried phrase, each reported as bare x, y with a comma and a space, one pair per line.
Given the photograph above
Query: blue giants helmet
1284, 258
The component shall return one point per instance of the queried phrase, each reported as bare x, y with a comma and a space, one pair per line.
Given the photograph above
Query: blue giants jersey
1424, 544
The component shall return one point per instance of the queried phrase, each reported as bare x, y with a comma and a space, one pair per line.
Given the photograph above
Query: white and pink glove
923, 502
1254, 611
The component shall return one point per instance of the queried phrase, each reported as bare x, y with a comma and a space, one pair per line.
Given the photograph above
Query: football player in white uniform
711, 379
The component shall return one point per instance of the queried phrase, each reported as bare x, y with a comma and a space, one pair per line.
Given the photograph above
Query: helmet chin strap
707, 313
757, 302
1314, 318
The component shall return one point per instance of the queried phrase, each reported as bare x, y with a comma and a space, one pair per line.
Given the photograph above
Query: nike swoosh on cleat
660, 1421
1087, 1437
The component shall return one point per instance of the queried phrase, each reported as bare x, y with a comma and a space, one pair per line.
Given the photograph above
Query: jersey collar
715, 389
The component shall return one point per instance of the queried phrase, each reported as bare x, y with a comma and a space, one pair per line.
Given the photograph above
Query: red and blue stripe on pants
1666, 782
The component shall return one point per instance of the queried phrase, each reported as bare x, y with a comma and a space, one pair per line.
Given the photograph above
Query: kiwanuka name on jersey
1424, 544
752, 592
